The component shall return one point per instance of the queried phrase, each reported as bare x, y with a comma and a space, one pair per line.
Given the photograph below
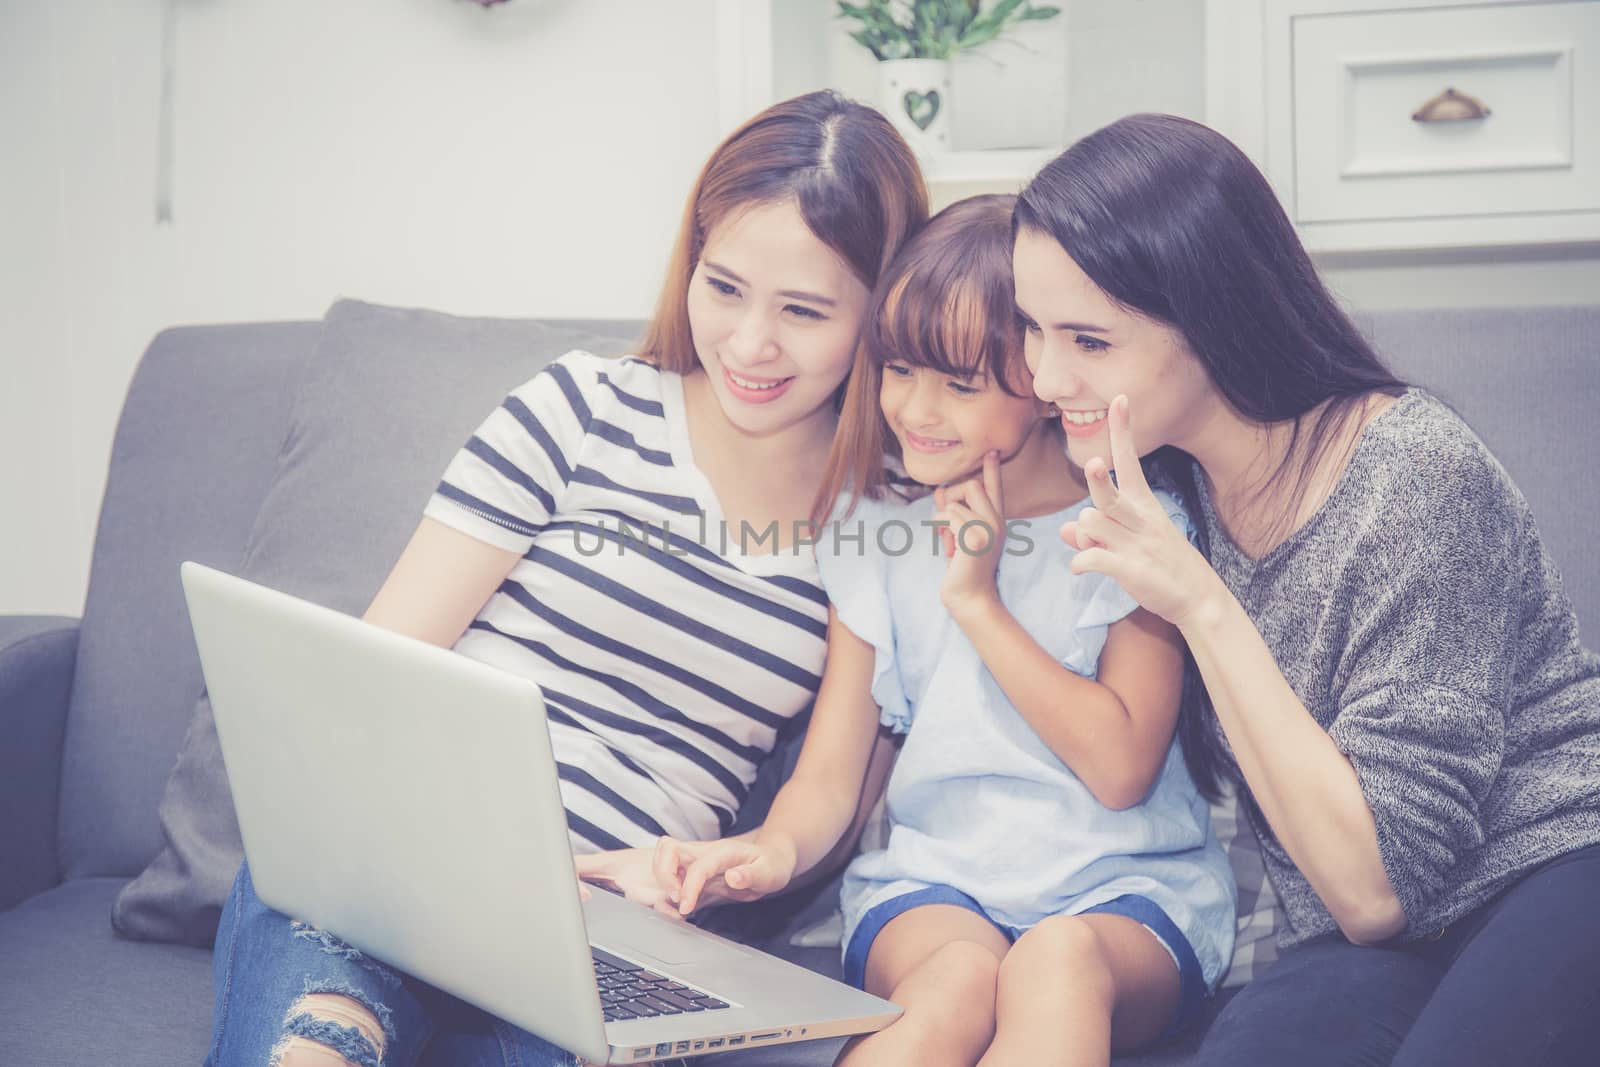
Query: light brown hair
946, 303
854, 180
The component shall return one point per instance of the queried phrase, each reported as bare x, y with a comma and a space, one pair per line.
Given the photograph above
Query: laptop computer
404, 798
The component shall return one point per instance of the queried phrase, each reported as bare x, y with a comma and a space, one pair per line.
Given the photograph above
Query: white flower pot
916, 97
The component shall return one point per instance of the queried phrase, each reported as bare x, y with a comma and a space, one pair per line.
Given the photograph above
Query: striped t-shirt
668, 658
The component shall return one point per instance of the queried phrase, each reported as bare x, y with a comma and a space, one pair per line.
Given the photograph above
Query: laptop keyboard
628, 991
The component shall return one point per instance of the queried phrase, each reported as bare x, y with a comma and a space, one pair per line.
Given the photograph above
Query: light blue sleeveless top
977, 801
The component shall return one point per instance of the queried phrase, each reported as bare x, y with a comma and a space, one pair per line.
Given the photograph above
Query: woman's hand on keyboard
692, 873
629, 871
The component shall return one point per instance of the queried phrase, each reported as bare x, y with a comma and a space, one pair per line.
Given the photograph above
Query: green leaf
960, 14
856, 11
991, 22
936, 29
879, 33
1001, 12
981, 36
864, 40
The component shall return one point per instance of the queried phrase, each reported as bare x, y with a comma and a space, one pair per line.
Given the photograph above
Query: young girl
1051, 889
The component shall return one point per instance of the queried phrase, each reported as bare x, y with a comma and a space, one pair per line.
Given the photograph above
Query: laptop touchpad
670, 944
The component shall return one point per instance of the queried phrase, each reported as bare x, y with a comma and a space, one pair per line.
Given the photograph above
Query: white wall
528, 159
1135, 55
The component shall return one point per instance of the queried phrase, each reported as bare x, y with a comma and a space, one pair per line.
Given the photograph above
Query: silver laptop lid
418, 756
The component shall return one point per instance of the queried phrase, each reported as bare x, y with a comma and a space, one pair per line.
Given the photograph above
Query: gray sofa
94, 709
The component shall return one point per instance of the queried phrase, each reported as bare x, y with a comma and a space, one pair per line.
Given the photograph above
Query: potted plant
914, 42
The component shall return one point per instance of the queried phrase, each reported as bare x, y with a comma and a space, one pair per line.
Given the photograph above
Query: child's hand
1128, 536
691, 873
630, 871
974, 537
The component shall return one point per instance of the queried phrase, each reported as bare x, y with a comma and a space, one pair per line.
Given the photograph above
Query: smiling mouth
748, 390
1083, 423
928, 444
758, 384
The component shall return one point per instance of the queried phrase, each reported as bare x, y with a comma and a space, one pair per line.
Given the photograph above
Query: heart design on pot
922, 108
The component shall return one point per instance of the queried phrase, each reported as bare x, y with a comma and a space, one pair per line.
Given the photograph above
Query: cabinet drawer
1360, 79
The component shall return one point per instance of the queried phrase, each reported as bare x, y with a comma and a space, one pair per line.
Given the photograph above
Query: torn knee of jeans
324, 1044
316, 990
343, 1023
335, 947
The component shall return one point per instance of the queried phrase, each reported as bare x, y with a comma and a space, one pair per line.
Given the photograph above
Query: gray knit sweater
1419, 619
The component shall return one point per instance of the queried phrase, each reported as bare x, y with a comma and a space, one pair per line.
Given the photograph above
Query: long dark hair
856, 183
1174, 222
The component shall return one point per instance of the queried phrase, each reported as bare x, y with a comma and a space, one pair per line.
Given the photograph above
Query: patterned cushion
384, 401
1255, 936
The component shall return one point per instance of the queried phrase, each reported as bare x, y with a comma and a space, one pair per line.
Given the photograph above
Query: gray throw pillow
385, 401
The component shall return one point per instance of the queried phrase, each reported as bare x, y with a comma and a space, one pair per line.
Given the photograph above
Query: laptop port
698, 1045
732, 1041
664, 1048
765, 1037
683, 1046
715, 1042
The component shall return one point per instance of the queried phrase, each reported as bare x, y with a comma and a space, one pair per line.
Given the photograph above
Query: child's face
774, 314
1085, 350
945, 425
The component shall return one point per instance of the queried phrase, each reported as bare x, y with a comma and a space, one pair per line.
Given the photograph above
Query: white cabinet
1414, 124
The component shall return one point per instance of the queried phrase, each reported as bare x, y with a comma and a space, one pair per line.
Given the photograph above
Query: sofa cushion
75, 994
1525, 380
385, 401
36, 657
1257, 915
194, 451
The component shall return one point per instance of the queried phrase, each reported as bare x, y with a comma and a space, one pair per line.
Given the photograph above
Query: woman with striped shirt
631, 534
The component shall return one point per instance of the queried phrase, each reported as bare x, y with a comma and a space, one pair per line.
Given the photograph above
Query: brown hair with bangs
946, 303
854, 180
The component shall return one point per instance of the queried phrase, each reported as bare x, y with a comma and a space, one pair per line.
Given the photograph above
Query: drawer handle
1451, 106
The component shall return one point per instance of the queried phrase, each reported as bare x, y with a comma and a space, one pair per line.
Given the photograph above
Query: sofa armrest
37, 656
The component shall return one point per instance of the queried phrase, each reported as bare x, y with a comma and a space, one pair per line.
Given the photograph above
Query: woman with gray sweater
1391, 671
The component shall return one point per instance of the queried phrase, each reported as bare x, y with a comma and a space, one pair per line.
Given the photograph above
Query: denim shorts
1192, 991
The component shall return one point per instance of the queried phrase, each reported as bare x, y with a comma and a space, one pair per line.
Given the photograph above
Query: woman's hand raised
1127, 535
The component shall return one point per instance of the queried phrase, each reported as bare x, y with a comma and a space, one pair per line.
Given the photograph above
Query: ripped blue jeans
265, 962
